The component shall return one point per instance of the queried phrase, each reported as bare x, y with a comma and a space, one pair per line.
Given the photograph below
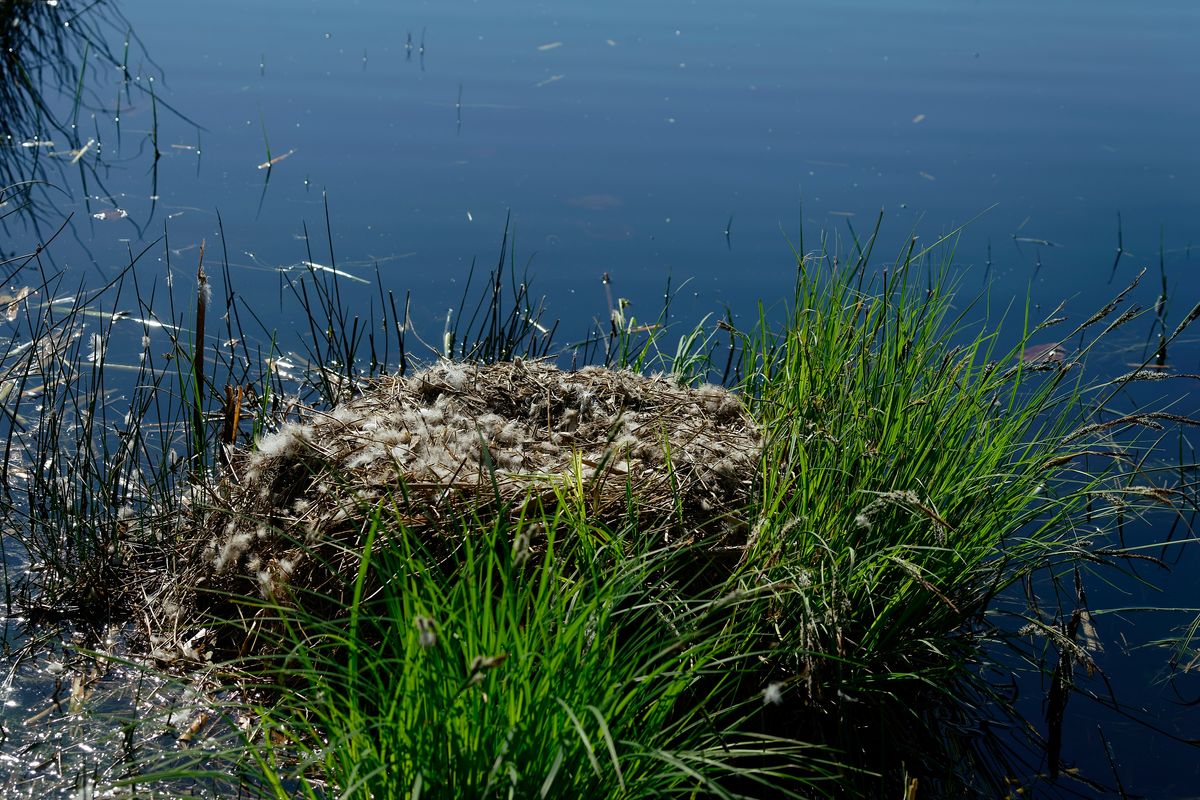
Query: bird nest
460, 442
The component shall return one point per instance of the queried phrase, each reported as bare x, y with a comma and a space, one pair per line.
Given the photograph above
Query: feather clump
459, 440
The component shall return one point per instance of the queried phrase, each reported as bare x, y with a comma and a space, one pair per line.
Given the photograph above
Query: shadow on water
61, 110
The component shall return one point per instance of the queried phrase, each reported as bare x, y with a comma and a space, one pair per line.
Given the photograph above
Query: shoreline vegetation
792, 560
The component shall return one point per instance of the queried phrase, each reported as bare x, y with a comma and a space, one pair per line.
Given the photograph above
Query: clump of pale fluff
511, 433
233, 549
365, 457
285, 441
389, 437
455, 377
432, 416
711, 396
347, 415
490, 424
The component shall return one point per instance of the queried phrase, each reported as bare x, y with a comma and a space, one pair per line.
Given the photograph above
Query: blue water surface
690, 144
628, 137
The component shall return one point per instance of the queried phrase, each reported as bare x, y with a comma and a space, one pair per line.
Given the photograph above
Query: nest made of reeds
458, 442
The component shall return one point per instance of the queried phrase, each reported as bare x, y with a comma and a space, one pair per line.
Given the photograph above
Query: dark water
689, 141
624, 136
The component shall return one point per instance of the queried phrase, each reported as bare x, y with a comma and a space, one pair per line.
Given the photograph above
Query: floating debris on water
313, 265
76, 155
13, 302
1052, 353
272, 162
110, 214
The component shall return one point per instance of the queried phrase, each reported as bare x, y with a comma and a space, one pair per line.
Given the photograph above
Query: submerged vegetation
817, 601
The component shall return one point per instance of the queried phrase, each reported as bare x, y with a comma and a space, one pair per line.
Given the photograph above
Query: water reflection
75, 86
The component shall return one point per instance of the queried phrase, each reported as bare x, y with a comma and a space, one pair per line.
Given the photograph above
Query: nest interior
458, 440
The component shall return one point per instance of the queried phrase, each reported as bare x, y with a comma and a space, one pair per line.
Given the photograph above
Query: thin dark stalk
198, 350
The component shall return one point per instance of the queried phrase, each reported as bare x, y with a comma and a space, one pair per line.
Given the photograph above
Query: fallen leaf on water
109, 214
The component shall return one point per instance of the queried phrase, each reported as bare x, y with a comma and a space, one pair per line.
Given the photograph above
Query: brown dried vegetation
455, 442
